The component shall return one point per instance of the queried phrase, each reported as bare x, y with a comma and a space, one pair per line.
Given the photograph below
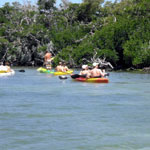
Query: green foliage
137, 53
46, 5
68, 36
88, 10
137, 49
42, 48
111, 55
2, 31
104, 38
3, 41
82, 52
3, 19
117, 31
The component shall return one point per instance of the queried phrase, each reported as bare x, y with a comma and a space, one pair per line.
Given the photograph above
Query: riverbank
144, 70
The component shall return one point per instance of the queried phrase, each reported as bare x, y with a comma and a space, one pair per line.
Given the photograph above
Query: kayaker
59, 68
2, 67
103, 71
85, 72
47, 60
7, 65
96, 72
64, 67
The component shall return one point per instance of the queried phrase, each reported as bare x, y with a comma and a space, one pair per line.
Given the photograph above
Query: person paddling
7, 65
65, 68
85, 72
59, 68
2, 67
96, 72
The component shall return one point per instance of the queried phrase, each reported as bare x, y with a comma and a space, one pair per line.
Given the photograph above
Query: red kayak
94, 80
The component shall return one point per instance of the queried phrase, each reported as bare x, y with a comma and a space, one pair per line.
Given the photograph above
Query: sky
2, 2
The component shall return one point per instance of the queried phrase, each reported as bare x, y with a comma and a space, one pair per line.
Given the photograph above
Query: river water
42, 112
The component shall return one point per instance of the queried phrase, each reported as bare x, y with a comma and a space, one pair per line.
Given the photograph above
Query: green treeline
118, 32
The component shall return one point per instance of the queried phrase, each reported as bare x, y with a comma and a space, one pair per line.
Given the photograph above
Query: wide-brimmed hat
84, 66
95, 64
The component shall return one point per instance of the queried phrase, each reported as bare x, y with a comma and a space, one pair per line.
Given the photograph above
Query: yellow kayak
43, 70
7, 73
2, 71
63, 73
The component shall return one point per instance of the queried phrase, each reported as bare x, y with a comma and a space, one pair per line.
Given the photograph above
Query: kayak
43, 70
6, 73
63, 73
93, 80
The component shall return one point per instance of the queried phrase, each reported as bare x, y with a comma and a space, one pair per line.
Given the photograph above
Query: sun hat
95, 64
84, 66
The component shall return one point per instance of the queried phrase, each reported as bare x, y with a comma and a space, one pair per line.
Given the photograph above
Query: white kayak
4, 73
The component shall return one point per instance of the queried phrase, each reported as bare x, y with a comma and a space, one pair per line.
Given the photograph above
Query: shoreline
144, 70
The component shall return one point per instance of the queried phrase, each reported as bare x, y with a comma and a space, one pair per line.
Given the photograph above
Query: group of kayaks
62, 75
70, 72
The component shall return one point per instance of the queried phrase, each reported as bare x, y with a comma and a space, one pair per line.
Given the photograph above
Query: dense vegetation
117, 32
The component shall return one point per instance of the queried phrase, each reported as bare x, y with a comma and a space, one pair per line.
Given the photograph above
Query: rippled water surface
42, 112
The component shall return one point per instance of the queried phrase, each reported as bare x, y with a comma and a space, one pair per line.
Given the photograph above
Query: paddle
107, 74
21, 70
63, 77
74, 76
